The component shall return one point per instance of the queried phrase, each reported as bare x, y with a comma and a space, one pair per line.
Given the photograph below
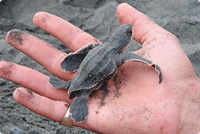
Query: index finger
64, 31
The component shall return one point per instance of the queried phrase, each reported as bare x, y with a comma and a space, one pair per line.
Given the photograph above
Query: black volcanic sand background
181, 17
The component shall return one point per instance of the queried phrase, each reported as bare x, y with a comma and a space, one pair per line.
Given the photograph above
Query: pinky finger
54, 110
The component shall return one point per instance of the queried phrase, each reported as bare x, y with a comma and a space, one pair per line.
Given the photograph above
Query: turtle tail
79, 106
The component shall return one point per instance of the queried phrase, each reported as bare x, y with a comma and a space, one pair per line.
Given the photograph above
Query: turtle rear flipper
79, 106
124, 57
73, 60
58, 83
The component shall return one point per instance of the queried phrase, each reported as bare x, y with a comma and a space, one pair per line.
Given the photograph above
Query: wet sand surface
97, 17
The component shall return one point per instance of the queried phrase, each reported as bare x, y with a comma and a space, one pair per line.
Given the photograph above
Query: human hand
138, 105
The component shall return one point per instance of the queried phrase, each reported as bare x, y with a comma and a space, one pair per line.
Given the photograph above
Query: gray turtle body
95, 64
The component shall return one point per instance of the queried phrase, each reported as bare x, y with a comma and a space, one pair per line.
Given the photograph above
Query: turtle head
121, 37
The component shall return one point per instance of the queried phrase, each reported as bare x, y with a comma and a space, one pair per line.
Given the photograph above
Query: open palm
136, 102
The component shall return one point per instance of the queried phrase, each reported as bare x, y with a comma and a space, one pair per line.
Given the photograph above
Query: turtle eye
129, 32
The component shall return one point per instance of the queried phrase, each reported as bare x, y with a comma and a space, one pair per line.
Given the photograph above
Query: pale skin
142, 105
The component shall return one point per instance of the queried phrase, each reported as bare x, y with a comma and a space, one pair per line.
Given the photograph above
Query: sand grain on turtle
95, 64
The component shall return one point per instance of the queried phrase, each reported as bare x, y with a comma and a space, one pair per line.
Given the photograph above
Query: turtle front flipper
124, 57
79, 106
58, 83
73, 60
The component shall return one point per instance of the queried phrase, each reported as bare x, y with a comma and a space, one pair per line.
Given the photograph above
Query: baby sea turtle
95, 64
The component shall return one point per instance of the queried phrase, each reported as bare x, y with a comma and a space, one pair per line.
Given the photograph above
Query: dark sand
181, 17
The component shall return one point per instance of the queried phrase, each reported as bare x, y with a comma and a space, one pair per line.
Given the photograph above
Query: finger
144, 28
64, 31
43, 53
33, 80
54, 110
159, 45
153, 38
